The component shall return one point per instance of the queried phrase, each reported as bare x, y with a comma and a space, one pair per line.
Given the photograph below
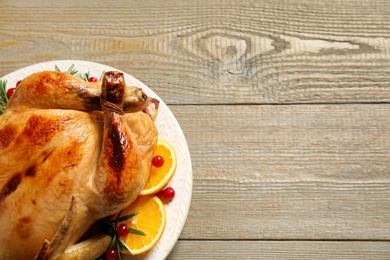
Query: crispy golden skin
68, 157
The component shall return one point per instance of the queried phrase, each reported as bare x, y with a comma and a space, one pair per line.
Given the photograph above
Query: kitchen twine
106, 105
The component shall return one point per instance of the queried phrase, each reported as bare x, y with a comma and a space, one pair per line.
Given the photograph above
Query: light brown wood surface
285, 106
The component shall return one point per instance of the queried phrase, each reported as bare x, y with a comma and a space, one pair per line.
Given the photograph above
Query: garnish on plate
117, 232
84, 76
3, 95
127, 237
163, 168
151, 219
71, 70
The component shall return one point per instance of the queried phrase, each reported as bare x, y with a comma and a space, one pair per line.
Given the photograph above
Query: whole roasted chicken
71, 153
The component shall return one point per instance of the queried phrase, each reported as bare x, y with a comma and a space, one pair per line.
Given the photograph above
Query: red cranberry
122, 230
169, 193
111, 254
10, 91
158, 161
92, 79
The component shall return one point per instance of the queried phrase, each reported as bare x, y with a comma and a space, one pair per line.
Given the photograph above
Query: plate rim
10, 77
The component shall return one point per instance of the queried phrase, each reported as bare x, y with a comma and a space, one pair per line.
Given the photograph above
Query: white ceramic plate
169, 130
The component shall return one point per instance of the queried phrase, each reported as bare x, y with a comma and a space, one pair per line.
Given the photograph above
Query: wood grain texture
284, 104
288, 172
225, 52
280, 250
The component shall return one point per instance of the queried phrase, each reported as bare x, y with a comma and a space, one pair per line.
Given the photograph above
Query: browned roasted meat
71, 152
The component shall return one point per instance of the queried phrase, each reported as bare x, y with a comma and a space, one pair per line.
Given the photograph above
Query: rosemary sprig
84, 76
102, 75
116, 241
3, 95
126, 217
71, 70
137, 232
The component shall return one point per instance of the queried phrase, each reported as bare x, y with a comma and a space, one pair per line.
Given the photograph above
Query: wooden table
285, 105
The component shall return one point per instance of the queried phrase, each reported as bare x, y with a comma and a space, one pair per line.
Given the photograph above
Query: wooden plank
288, 172
204, 52
280, 250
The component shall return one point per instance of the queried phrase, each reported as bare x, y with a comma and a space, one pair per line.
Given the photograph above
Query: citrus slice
150, 219
160, 176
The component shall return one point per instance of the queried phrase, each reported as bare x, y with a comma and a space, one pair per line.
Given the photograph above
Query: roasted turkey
71, 153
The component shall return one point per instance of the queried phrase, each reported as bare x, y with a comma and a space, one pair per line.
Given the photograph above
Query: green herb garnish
72, 71
3, 96
101, 76
84, 76
116, 241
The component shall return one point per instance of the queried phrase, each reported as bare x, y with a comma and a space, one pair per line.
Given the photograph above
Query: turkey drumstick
50, 89
62, 169
119, 161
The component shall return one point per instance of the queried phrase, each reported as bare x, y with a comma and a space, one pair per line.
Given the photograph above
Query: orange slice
160, 176
150, 219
